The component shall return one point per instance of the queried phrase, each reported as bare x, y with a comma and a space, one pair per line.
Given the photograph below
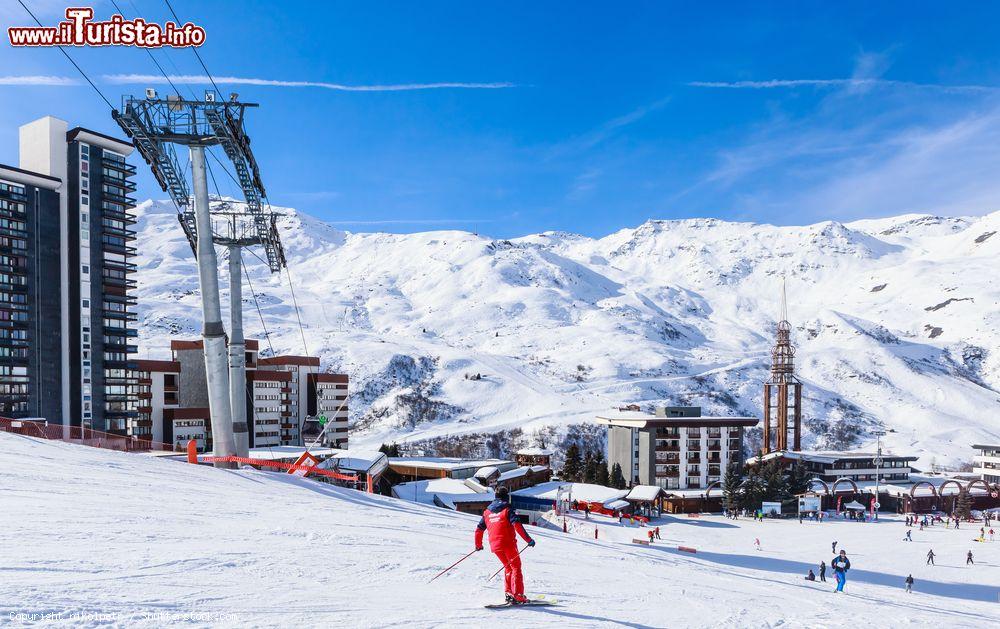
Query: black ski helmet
503, 493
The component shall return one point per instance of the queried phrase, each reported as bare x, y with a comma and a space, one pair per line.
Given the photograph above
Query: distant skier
991, 535
968, 558
909, 536
657, 531
810, 576
822, 571
756, 543
930, 557
909, 584
834, 551
501, 523
841, 564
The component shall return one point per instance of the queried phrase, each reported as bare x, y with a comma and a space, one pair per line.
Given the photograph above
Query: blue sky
584, 116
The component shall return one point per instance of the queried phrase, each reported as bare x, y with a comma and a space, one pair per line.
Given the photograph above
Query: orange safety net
309, 469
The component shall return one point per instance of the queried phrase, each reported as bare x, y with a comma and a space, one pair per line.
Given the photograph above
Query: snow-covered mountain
449, 333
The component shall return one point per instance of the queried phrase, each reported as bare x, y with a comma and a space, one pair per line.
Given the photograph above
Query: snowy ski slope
129, 540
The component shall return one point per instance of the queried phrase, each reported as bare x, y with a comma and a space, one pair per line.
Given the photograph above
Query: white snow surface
130, 540
895, 322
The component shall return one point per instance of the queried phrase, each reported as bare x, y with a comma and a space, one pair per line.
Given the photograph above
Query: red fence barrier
289, 467
80, 435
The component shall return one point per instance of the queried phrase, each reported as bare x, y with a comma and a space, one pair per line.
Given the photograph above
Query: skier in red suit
501, 522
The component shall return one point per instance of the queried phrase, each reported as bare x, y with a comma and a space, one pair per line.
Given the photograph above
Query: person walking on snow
968, 558
909, 584
822, 571
841, 564
501, 523
930, 557
834, 551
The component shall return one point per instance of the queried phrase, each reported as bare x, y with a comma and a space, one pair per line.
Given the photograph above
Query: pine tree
589, 468
603, 475
572, 468
754, 490
391, 451
798, 480
731, 482
617, 478
963, 506
775, 484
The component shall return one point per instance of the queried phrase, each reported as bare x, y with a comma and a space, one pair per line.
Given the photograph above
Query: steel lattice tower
156, 125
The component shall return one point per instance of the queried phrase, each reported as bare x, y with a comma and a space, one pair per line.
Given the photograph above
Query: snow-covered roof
443, 491
617, 504
486, 472
826, 456
517, 472
535, 452
645, 493
371, 462
574, 491
636, 419
448, 463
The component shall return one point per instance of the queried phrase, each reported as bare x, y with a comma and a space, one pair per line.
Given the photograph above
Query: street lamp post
878, 466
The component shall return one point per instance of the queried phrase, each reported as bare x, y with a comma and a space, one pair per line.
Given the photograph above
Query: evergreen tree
603, 475
798, 480
589, 468
731, 482
775, 484
572, 468
389, 450
617, 478
963, 506
754, 490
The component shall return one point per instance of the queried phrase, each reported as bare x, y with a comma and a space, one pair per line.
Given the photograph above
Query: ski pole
502, 567
454, 564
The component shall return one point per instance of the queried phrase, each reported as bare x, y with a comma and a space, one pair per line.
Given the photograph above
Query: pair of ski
540, 601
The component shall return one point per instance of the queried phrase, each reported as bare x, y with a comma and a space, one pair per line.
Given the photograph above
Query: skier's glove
531, 543
479, 548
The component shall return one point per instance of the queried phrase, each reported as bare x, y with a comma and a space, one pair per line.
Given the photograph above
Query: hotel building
677, 448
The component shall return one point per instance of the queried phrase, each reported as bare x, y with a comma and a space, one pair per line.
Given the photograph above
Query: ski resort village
216, 411
266, 481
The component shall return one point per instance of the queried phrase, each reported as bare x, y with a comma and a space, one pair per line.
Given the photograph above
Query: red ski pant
513, 581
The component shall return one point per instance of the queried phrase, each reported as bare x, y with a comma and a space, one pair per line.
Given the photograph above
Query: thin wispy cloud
841, 83
38, 79
201, 79
605, 130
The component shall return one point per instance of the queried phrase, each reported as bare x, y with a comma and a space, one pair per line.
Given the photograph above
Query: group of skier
500, 522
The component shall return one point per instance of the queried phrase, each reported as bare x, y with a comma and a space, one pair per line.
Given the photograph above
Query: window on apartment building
85, 303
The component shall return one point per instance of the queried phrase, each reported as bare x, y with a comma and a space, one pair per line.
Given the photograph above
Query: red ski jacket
501, 522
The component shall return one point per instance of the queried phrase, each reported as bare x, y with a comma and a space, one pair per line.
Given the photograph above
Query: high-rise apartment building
30, 360
67, 331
